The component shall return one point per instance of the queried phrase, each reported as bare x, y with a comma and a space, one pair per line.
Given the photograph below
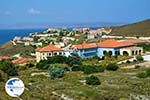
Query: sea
8, 34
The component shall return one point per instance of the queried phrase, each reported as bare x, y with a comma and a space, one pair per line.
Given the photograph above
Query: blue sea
8, 34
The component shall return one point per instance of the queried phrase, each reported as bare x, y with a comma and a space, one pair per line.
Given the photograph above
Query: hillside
136, 29
9, 50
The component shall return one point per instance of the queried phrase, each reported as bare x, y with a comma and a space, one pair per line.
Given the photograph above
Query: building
4, 58
48, 51
94, 34
23, 61
112, 47
85, 50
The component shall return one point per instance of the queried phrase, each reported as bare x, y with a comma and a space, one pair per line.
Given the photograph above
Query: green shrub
73, 60
56, 72
89, 69
29, 65
142, 75
100, 68
57, 59
148, 72
137, 66
8, 67
76, 68
42, 65
139, 58
93, 80
112, 67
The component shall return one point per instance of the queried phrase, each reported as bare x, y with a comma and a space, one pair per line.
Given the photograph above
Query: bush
142, 75
73, 60
56, 72
89, 69
42, 65
139, 58
29, 65
57, 59
93, 80
8, 67
137, 66
148, 72
112, 67
100, 68
76, 68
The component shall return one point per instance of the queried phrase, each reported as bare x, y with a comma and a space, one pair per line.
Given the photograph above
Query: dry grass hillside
136, 29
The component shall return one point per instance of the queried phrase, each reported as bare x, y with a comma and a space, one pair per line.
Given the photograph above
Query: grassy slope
116, 84
8, 49
137, 29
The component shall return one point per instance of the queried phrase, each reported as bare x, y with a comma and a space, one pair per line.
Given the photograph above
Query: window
55, 53
136, 52
140, 51
60, 53
132, 52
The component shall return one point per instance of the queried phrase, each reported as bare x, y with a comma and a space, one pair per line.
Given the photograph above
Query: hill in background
136, 29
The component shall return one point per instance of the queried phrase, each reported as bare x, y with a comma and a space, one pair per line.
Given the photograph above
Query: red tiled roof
4, 57
22, 60
106, 44
85, 46
49, 48
111, 43
114, 44
134, 41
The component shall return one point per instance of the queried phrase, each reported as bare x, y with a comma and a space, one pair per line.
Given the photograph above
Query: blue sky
68, 11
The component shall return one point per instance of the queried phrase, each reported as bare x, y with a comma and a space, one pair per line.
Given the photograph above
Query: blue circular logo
14, 87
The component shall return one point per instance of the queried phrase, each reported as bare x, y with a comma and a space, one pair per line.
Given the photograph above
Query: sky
23, 12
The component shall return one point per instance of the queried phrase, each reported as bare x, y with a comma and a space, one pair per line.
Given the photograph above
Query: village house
94, 34
22, 61
48, 51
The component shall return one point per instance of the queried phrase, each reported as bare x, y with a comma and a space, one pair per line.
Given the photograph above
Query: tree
8, 67
56, 72
93, 80
42, 65
112, 67
57, 59
73, 60
139, 58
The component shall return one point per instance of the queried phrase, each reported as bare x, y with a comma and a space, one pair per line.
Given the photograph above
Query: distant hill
136, 29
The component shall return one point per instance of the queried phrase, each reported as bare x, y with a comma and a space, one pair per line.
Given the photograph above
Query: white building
48, 51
